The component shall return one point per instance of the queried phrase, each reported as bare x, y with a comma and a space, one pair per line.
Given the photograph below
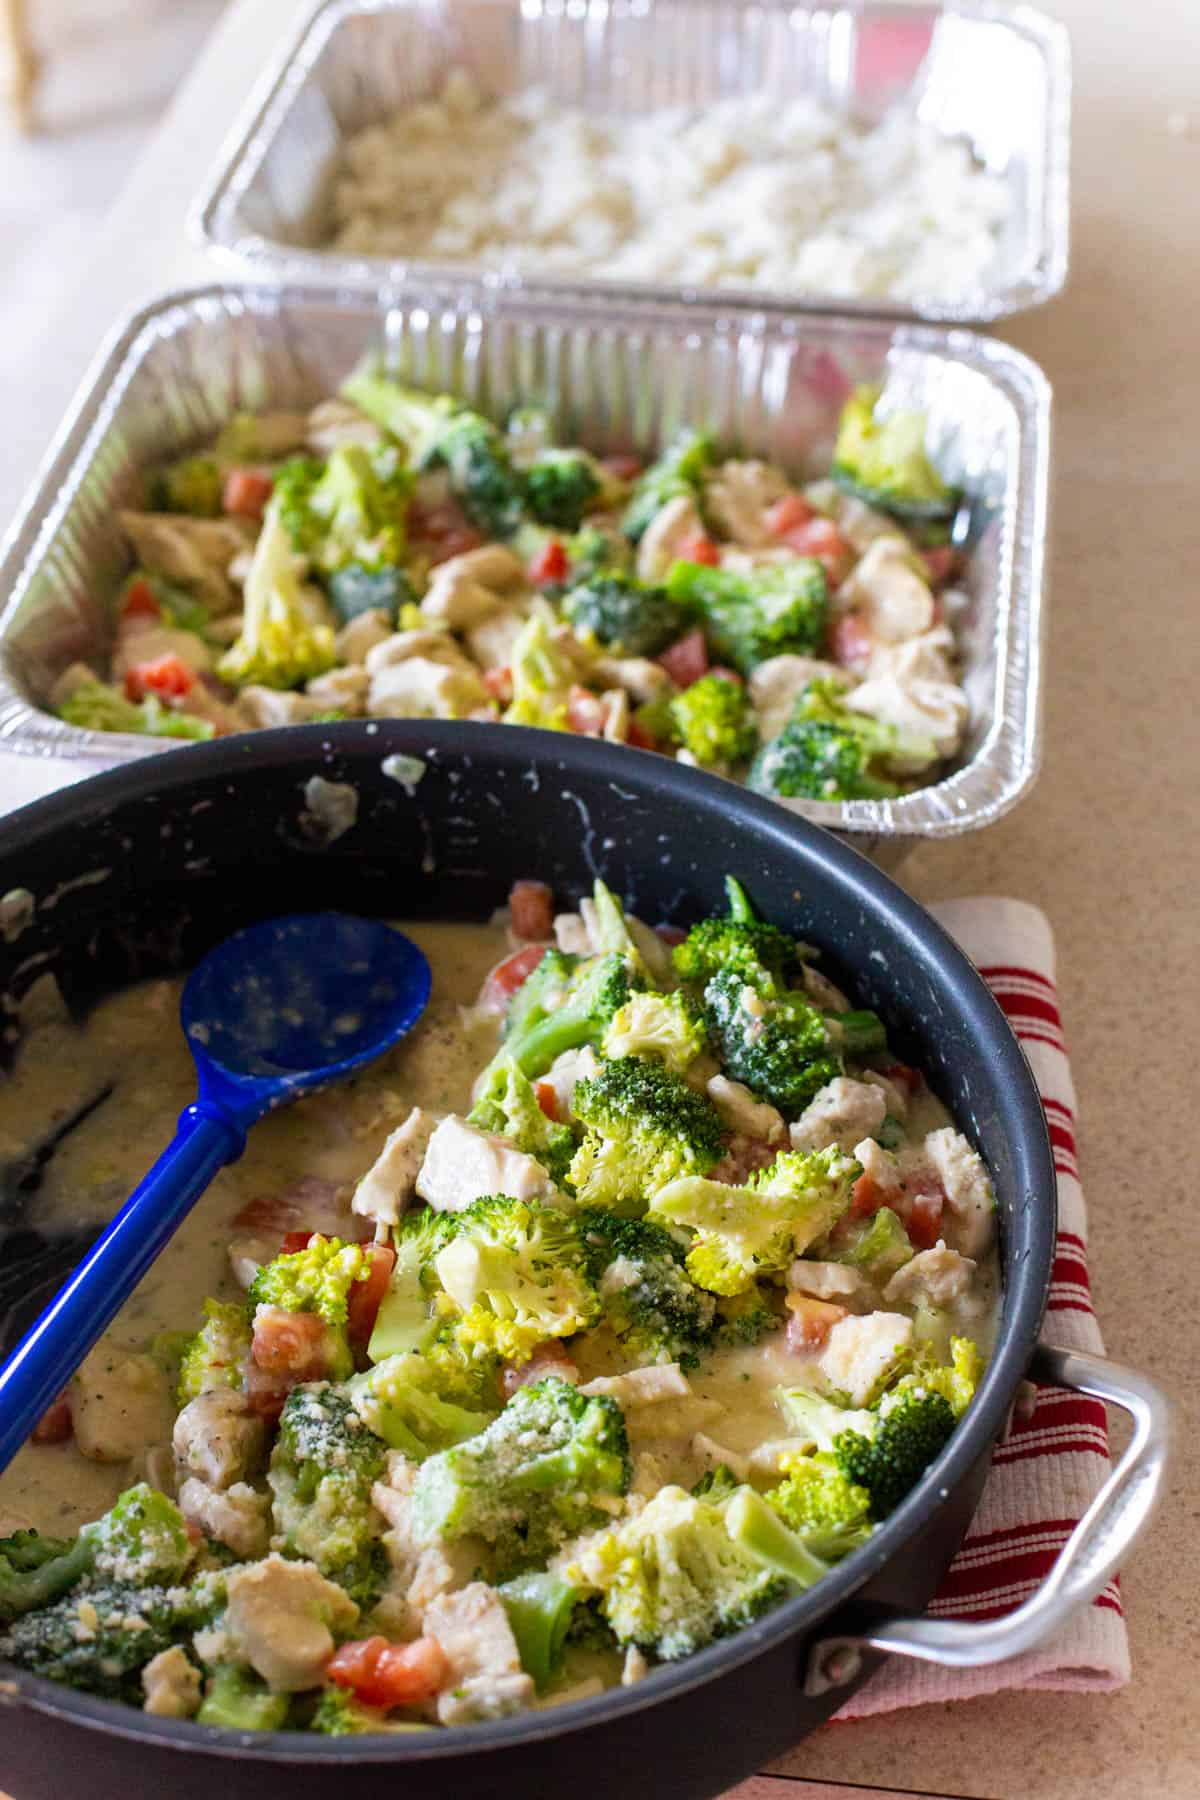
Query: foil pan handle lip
215, 224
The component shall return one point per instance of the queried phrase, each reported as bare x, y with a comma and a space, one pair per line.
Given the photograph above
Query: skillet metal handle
1089, 1559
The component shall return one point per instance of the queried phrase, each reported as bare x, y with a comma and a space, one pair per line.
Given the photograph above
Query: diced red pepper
288, 1343
701, 549
499, 683
851, 641
507, 977
586, 712
810, 1322
670, 934
639, 738
531, 904
140, 602
787, 515
388, 1675
822, 539
924, 1224
686, 660
905, 1077
547, 1098
167, 676
246, 493
55, 1425
294, 1241
866, 1197
366, 1296
550, 564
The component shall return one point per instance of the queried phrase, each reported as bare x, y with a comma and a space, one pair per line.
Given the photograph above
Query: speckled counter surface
1108, 844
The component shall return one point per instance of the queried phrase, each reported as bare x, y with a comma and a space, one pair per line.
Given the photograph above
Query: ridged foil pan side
616, 375
996, 74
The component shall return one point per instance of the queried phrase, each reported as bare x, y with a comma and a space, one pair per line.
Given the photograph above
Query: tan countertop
1107, 844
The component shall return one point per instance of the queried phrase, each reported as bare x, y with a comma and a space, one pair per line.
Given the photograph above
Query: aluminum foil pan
997, 75
617, 375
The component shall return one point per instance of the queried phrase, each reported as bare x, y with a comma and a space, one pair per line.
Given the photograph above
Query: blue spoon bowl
276, 1011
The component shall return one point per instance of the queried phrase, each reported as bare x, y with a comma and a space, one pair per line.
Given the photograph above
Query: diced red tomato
924, 1224
639, 738
246, 493
908, 1079
548, 1359
287, 1343
366, 1296
266, 1393
294, 1241
167, 676
850, 640
388, 1675
866, 1197
670, 934
499, 683
822, 539
550, 564
140, 602
586, 712
547, 1098
507, 977
701, 549
940, 563
531, 904
729, 674
622, 468
54, 1426
810, 1322
787, 515
686, 660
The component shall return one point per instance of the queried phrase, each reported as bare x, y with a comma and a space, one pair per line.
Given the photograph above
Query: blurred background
83, 83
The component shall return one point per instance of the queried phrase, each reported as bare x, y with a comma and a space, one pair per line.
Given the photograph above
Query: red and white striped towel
1046, 1472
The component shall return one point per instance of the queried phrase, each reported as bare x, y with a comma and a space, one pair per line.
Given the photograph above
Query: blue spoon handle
53, 1348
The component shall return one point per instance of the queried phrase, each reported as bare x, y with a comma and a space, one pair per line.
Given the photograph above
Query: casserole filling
615, 1306
396, 555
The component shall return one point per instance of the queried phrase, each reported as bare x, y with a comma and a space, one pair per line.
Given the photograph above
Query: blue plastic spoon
274, 1012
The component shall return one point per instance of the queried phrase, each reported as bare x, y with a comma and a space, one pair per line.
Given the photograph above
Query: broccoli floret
508, 1106
192, 484
348, 512
879, 1245
667, 1027
216, 1356
612, 933
717, 1485
678, 472
827, 751
438, 430
620, 612
858, 1033
354, 589
567, 1006
831, 1513
777, 610
741, 943
316, 1279
399, 1401
560, 485
650, 1305
885, 462
95, 706
744, 1318
99, 1639
286, 638
714, 721
542, 678
540, 1606
910, 1432
239, 1700
671, 1578
340, 1714
404, 1320
744, 1232
142, 1538
322, 1467
531, 1480
645, 1127
763, 1536
817, 1420
593, 550
35, 1570
955, 1381
514, 1271
773, 1040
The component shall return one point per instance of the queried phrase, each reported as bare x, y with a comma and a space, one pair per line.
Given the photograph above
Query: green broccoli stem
858, 1033
540, 1606
751, 1523
741, 912
24, 1589
238, 1700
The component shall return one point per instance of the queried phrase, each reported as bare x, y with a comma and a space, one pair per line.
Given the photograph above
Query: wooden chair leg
20, 78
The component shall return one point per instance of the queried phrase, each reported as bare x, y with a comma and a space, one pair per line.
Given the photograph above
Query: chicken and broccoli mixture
457, 1398
394, 555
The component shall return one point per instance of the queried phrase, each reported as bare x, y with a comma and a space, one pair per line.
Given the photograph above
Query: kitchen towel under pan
1047, 1469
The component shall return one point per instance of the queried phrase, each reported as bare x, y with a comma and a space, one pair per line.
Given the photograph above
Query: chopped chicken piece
894, 1094
777, 684
968, 1193
841, 1113
421, 688
643, 679
828, 1280
822, 992
635, 1667
218, 1438
389, 1184
571, 934
941, 1276
715, 1456
880, 1165
150, 640
360, 635
643, 1387
860, 524
465, 590
282, 1617
463, 1164
738, 496
119, 1404
238, 1517
263, 706
171, 1684
402, 646
903, 696
567, 1070
861, 1351
491, 641
743, 1113
196, 553
343, 689
895, 601
486, 1680
665, 536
